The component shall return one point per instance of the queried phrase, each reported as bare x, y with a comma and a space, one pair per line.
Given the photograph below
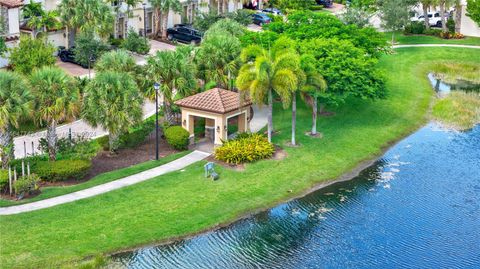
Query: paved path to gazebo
107, 187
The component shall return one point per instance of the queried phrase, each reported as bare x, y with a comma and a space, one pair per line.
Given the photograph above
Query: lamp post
90, 60
144, 20
156, 86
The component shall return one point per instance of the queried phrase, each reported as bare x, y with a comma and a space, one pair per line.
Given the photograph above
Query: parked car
184, 33
261, 19
68, 55
325, 3
434, 19
273, 11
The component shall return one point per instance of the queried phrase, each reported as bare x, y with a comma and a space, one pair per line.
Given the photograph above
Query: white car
434, 19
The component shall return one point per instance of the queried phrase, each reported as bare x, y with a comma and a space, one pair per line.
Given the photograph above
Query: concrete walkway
259, 119
110, 186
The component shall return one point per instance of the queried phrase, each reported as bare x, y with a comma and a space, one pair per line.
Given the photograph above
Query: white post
10, 179
28, 168
23, 168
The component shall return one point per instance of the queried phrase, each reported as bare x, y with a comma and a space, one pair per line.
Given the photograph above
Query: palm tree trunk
157, 16
314, 116
126, 22
458, 16
294, 118
71, 37
167, 111
52, 140
6, 147
425, 16
269, 116
442, 14
113, 142
165, 24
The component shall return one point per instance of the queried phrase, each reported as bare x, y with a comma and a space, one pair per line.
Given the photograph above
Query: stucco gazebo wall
218, 121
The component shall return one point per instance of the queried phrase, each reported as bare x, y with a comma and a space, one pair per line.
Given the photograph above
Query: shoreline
347, 176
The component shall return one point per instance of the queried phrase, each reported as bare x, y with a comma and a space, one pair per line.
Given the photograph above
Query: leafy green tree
346, 69
173, 70
217, 58
15, 102
288, 5
359, 16
265, 39
395, 14
114, 102
314, 86
88, 48
31, 54
265, 72
56, 99
135, 43
473, 10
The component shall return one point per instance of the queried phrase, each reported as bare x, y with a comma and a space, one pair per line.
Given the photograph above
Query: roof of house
215, 100
11, 3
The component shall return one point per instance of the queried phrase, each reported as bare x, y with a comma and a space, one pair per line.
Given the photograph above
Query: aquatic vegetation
459, 110
455, 72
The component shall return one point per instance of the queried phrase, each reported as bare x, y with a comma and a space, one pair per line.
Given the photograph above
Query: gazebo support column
242, 123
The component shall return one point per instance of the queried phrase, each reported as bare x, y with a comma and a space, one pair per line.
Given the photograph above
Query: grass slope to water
184, 202
49, 192
402, 39
459, 110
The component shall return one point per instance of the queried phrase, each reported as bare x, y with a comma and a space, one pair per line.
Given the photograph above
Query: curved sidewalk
110, 186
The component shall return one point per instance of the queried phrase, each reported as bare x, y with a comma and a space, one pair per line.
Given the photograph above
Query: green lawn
424, 39
184, 202
50, 192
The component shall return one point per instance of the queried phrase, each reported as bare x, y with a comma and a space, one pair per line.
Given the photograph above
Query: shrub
31, 54
62, 170
451, 25
177, 137
245, 148
316, 7
134, 137
26, 184
87, 47
433, 32
135, 43
3, 179
416, 28
242, 16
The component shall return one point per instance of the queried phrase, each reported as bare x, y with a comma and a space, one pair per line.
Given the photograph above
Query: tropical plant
265, 72
135, 43
56, 99
162, 9
217, 58
314, 86
473, 10
173, 69
246, 148
88, 48
116, 61
15, 102
38, 19
112, 100
31, 54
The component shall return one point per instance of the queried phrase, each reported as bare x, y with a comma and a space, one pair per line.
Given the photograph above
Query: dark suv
184, 33
68, 55
325, 3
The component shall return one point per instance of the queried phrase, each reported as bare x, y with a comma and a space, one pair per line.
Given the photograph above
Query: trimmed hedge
134, 137
246, 148
62, 170
177, 137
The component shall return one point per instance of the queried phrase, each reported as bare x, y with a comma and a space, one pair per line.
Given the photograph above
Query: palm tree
113, 101
425, 5
315, 85
67, 12
15, 102
173, 69
56, 99
444, 5
116, 60
265, 72
40, 19
162, 10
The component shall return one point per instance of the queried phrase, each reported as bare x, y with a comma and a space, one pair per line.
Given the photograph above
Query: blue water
417, 207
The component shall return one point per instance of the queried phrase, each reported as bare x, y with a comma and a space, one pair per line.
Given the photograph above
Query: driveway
72, 69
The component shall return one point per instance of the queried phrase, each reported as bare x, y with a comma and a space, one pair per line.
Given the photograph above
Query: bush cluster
177, 137
3, 179
135, 43
62, 170
134, 137
246, 148
26, 184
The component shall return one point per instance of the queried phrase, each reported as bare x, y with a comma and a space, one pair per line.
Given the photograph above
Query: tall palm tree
67, 11
47, 20
162, 10
56, 99
113, 101
15, 102
444, 5
315, 86
425, 5
265, 72
173, 70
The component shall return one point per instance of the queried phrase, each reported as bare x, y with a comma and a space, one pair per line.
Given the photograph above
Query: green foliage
347, 70
177, 137
415, 28
3, 46
88, 47
316, 7
15, 99
204, 21
459, 109
264, 39
62, 170
288, 5
395, 14
228, 26
245, 149
451, 25
473, 10
241, 16
135, 43
3, 179
77, 148
134, 137
116, 61
26, 184
31, 54
356, 15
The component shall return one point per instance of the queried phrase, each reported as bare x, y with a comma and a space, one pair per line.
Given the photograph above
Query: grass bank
426, 39
49, 192
459, 110
184, 202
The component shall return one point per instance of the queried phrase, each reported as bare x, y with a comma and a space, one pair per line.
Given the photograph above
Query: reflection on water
443, 88
419, 206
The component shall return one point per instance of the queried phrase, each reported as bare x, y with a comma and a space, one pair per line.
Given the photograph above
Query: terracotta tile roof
215, 100
11, 3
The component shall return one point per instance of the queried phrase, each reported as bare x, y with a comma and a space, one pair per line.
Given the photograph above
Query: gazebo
217, 106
